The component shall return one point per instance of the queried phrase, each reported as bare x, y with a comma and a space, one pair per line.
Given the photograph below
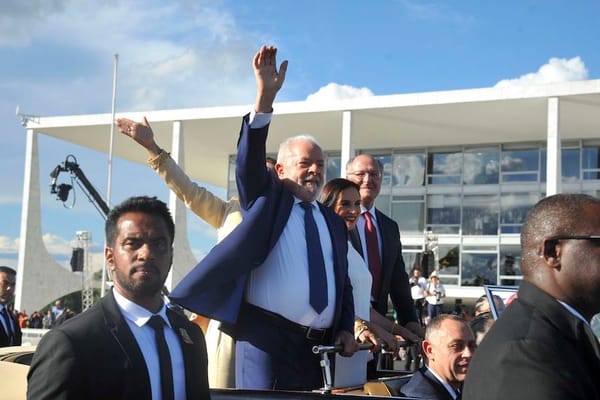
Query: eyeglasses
595, 239
361, 174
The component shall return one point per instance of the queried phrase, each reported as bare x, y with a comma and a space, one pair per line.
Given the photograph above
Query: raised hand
140, 132
268, 79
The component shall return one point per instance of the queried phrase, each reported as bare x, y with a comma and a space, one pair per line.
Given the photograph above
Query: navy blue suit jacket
4, 335
424, 384
215, 287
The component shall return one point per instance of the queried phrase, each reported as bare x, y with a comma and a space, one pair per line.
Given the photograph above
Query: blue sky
57, 59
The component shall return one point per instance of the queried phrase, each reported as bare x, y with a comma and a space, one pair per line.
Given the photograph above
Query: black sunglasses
595, 239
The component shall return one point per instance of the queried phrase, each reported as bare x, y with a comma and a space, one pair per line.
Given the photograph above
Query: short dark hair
8, 270
481, 323
144, 204
557, 215
270, 160
332, 190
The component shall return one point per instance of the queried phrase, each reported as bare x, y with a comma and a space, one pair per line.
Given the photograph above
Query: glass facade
474, 200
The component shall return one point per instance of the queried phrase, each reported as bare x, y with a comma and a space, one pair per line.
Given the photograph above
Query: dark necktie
316, 265
166, 371
592, 338
9, 326
373, 254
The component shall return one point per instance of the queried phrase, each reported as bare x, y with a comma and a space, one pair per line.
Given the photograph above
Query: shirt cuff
155, 162
259, 120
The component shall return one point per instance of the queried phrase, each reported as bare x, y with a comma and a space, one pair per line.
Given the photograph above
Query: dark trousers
434, 309
269, 357
420, 306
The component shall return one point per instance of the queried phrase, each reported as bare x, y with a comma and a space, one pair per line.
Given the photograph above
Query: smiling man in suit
259, 279
448, 346
130, 345
377, 238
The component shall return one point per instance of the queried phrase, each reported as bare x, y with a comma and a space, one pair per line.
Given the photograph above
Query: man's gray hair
285, 145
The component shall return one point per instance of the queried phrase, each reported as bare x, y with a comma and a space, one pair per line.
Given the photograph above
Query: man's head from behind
449, 345
365, 171
560, 247
482, 305
300, 162
8, 280
139, 252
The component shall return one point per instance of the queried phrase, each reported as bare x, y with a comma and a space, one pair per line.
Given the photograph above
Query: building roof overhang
473, 117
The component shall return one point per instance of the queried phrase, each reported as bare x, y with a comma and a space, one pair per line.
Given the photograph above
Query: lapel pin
185, 336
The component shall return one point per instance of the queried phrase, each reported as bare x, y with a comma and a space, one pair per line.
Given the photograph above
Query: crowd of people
301, 262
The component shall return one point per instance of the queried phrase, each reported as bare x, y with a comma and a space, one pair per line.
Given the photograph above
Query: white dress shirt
136, 318
360, 228
281, 283
446, 385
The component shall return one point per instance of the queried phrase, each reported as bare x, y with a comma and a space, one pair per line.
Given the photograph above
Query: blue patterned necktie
9, 325
316, 265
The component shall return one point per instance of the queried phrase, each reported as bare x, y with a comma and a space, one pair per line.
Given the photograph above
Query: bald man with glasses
543, 346
377, 238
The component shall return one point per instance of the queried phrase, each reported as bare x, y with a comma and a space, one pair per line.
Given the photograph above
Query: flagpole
110, 156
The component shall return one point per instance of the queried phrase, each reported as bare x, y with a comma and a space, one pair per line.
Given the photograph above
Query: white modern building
465, 165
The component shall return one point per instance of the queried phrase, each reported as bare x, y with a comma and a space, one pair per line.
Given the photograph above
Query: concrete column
553, 152
347, 142
183, 259
40, 279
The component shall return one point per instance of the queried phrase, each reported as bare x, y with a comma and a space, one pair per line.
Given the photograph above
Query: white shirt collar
574, 312
448, 387
298, 201
136, 313
369, 210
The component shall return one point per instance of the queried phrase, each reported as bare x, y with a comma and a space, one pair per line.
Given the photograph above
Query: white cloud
335, 91
18, 19
556, 70
9, 245
171, 54
57, 245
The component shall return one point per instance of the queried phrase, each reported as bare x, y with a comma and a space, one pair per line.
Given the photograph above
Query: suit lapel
191, 359
132, 356
385, 244
3, 335
437, 385
355, 240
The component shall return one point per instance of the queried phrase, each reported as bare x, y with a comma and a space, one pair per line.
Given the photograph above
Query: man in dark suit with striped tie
10, 332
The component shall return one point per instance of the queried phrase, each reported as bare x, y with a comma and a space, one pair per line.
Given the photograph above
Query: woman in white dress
343, 197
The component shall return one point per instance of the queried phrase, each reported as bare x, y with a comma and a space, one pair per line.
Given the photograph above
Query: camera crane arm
62, 190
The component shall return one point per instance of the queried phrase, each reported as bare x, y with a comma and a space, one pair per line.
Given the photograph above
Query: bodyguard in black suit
392, 281
10, 332
112, 351
542, 346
